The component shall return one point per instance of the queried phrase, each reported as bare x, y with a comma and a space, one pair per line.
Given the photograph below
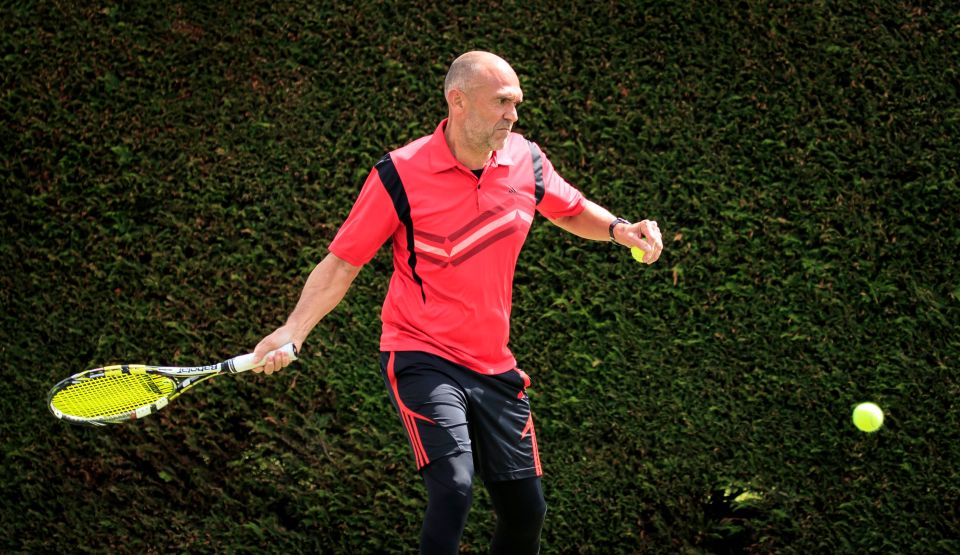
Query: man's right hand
272, 342
325, 288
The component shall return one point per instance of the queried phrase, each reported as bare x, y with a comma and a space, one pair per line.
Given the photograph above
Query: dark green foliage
171, 173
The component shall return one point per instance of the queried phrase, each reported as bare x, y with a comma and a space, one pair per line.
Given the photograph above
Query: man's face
491, 109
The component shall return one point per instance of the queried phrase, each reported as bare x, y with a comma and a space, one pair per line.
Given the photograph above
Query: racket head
111, 394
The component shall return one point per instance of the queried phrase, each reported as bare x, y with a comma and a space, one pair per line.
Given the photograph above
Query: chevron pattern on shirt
471, 239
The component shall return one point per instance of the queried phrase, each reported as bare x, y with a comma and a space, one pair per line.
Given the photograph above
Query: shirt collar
441, 159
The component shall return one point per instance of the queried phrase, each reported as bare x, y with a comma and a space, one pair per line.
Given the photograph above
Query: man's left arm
598, 224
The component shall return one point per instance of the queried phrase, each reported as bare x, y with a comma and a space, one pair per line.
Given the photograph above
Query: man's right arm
325, 288
372, 220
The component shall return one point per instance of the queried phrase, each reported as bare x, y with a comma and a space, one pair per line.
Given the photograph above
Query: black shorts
448, 409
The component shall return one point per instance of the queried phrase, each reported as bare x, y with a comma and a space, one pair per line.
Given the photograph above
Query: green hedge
172, 172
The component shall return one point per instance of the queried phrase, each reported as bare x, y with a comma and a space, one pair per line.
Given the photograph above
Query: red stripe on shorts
410, 418
533, 438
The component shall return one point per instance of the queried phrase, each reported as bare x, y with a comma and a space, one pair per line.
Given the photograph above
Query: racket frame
184, 378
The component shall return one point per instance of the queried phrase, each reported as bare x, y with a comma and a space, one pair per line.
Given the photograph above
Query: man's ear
456, 99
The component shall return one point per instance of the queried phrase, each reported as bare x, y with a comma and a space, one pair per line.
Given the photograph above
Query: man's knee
531, 509
538, 509
521, 510
449, 480
520, 505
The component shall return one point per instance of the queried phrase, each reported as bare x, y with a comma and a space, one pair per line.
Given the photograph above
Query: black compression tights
519, 505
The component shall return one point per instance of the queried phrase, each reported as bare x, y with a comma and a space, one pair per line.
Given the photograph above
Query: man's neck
457, 144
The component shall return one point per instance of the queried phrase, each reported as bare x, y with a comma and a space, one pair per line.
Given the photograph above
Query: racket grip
246, 362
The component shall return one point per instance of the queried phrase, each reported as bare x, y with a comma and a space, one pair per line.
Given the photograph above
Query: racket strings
112, 394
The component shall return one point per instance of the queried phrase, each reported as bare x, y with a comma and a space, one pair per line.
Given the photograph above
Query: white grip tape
246, 362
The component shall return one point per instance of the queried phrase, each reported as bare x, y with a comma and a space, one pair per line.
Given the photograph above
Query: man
458, 205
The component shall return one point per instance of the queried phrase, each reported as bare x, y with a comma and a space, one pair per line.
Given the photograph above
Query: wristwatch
613, 224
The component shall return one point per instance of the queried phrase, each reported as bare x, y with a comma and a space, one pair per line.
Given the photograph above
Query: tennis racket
115, 394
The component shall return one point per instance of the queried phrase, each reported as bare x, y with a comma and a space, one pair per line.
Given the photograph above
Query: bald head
482, 93
473, 66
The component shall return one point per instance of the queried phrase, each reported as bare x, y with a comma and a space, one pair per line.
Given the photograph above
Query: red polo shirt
453, 297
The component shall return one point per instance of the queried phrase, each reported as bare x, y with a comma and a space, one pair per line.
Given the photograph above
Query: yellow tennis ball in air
638, 253
867, 417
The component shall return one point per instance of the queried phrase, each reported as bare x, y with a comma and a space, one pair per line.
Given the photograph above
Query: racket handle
246, 362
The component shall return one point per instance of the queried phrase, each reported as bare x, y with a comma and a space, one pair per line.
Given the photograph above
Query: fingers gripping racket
115, 394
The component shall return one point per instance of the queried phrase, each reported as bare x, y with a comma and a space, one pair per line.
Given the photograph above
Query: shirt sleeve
372, 221
560, 199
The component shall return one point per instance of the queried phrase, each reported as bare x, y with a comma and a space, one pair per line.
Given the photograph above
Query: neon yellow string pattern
112, 394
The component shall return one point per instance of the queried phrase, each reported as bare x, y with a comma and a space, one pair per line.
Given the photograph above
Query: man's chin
499, 144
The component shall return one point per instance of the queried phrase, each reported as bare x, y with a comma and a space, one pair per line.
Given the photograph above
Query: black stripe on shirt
537, 170
394, 186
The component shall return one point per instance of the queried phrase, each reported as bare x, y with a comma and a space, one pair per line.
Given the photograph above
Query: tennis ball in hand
867, 417
638, 254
